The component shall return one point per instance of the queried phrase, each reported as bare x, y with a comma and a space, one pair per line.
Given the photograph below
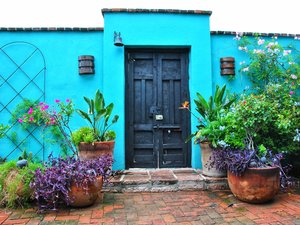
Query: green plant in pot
254, 171
15, 181
269, 118
97, 139
211, 122
70, 181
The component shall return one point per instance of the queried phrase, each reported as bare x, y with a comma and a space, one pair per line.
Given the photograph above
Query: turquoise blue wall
227, 46
154, 30
61, 51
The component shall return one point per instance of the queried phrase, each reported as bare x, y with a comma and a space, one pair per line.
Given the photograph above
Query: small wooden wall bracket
227, 65
86, 64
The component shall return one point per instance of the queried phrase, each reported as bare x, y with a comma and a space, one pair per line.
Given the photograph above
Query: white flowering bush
274, 72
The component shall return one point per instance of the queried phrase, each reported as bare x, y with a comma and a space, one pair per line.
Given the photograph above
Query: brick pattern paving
183, 207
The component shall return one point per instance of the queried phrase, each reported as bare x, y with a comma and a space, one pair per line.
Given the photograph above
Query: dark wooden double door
156, 129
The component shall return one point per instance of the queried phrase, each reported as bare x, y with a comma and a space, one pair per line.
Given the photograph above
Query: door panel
156, 85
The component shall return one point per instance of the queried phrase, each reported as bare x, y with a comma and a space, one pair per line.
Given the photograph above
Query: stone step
160, 180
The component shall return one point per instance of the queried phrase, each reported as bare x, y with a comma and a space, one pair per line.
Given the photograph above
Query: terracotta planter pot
87, 151
206, 153
256, 185
85, 197
11, 176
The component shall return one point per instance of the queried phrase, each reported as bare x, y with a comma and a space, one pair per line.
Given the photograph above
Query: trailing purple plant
52, 183
237, 161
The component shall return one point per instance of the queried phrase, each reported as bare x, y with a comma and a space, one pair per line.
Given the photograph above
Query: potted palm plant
97, 139
210, 129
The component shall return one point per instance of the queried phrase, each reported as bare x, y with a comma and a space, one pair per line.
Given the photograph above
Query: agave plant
98, 117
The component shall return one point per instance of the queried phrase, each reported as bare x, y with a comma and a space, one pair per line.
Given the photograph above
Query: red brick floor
182, 207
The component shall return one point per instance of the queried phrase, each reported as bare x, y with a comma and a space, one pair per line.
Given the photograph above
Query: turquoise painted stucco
62, 81
140, 30
227, 46
154, 30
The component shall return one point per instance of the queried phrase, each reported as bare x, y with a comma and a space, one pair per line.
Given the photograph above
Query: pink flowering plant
54, 118
272, 108
270, 63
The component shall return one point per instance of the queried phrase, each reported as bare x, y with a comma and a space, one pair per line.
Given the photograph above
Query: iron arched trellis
22, 76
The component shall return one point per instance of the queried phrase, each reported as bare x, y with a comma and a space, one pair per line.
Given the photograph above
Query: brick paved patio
158, 180
182, 207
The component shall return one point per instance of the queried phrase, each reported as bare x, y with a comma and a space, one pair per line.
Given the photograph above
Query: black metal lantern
117, 39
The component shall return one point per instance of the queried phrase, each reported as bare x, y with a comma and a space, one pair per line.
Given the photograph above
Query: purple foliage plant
237, 161
52, 183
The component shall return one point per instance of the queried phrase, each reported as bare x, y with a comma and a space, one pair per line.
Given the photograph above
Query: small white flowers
271, 44
222, 143
243, 48
287, 52
222, 128
238, 36
275, 50
246, 69
260, 41
297, 136
258, 51
293, 76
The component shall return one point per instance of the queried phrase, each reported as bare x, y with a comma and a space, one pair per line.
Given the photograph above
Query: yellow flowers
185, 105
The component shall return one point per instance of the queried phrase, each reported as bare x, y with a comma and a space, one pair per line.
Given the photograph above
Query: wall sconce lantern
86, 64
117, 39
227, 65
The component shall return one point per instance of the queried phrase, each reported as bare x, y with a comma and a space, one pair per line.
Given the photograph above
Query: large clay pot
87, 151
85, 197
256, 185
206, 153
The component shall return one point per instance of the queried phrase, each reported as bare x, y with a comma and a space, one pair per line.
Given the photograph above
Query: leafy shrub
84, 134
98, 117
211, 114
54, 120
15, 188
2, 130
273, 108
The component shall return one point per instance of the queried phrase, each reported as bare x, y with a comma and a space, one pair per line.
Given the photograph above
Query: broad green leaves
98, 116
